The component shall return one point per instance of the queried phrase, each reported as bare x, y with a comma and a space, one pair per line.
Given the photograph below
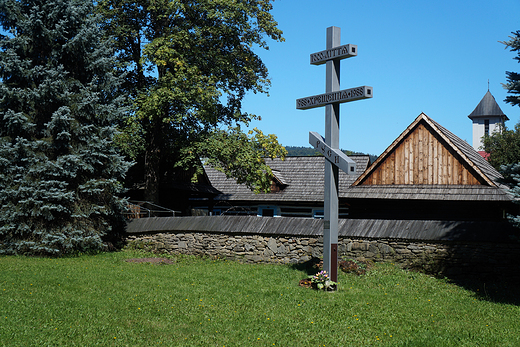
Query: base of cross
333, 271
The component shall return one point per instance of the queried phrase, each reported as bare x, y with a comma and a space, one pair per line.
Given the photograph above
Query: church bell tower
486, 117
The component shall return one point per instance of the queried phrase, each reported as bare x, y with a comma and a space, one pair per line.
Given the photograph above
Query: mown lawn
102, 300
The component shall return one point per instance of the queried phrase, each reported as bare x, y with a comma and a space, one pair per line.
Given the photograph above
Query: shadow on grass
499, 288
494, 289
310, 267
500, 285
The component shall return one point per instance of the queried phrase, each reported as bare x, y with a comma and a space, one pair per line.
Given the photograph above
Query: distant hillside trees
59, 170
295, 151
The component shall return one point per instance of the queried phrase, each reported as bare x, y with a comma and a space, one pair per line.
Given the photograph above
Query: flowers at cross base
322, 281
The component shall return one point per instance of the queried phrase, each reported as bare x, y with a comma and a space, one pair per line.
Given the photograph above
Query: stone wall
246, 248
445, 258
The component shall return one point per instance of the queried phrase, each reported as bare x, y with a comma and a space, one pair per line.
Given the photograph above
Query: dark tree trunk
152, 161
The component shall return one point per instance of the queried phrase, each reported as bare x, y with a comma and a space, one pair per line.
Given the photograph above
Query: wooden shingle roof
428, 192
427, 230
303, 177
470, 154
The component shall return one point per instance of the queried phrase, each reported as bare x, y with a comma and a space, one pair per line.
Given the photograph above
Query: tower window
486, 127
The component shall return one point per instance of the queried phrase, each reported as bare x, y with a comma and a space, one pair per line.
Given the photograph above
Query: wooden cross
330, 145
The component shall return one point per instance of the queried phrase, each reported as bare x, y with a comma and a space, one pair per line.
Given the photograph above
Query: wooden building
297, 190
428, 173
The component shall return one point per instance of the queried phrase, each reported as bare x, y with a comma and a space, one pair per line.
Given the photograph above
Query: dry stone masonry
450, 259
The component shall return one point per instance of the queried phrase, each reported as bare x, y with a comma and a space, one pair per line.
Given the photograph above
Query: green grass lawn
102, 300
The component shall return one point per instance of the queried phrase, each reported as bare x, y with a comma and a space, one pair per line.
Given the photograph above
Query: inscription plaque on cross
329, 146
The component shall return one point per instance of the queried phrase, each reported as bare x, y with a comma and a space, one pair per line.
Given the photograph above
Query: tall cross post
329, 146
331, 201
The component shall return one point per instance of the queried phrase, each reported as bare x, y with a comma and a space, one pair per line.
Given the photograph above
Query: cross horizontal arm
341, 96
340, 52
334, 155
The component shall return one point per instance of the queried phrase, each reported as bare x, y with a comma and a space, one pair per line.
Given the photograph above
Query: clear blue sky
419, 56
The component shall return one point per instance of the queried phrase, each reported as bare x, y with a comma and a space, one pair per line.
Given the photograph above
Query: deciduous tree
503, 146
190, 64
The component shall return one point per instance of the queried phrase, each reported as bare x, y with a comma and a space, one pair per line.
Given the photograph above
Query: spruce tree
505, 144
513, 78
59, 171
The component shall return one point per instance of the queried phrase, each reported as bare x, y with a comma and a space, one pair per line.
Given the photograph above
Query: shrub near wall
445, 258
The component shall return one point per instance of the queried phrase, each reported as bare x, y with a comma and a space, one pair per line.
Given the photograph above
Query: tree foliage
513, 78
59, 171
511, 179
242, 154
189, 66
503, 146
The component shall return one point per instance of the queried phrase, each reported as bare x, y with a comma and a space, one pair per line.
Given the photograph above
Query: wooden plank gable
423, 155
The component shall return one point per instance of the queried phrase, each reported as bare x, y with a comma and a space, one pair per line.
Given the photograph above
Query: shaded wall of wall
449, 258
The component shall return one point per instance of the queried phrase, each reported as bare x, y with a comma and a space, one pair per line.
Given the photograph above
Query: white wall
479, 127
